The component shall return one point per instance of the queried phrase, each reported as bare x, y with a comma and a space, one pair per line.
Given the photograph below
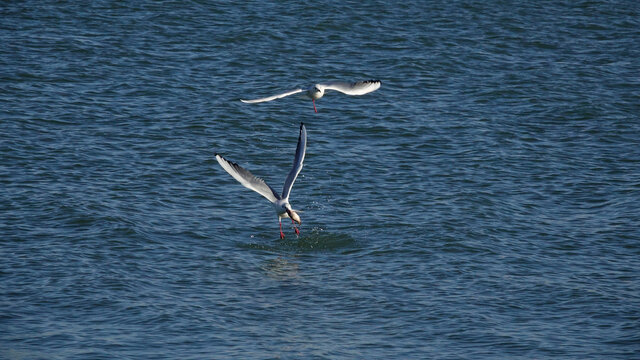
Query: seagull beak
294, 216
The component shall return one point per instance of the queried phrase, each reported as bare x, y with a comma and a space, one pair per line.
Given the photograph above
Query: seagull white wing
272, 97
301, 149
247, 179
353, 88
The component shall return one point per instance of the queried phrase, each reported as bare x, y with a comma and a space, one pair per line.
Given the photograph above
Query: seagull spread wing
247, 179
354, 88
301, 149
272, 97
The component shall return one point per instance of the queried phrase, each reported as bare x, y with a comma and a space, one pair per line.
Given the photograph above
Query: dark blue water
483, 203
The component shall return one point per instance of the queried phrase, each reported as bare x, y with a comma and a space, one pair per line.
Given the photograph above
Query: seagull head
315, 92
294, 216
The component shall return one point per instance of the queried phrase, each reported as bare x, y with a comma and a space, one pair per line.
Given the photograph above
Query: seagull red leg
294, 227
281, 233
314, 105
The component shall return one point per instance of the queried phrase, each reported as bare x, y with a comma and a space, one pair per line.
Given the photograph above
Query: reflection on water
281, 268
284, 266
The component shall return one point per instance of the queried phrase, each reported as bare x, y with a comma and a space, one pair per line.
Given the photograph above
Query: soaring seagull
316, 91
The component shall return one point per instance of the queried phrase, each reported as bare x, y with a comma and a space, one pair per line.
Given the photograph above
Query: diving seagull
316, 91
280, 201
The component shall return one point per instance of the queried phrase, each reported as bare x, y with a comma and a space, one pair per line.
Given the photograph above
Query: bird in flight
280, 202
316, 91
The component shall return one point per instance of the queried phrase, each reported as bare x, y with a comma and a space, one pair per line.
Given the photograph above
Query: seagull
280, 202
316, 91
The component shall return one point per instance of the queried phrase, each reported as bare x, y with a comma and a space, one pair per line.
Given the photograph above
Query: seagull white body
316, 91
280, 201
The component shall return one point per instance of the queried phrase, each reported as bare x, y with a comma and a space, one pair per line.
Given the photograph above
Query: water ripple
481, 203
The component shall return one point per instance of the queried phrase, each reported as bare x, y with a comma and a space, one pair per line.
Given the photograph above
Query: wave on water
309, 241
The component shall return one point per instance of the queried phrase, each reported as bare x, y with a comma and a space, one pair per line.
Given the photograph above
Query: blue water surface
483, 203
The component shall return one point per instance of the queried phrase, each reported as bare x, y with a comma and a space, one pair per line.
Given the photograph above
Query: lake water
483, 203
